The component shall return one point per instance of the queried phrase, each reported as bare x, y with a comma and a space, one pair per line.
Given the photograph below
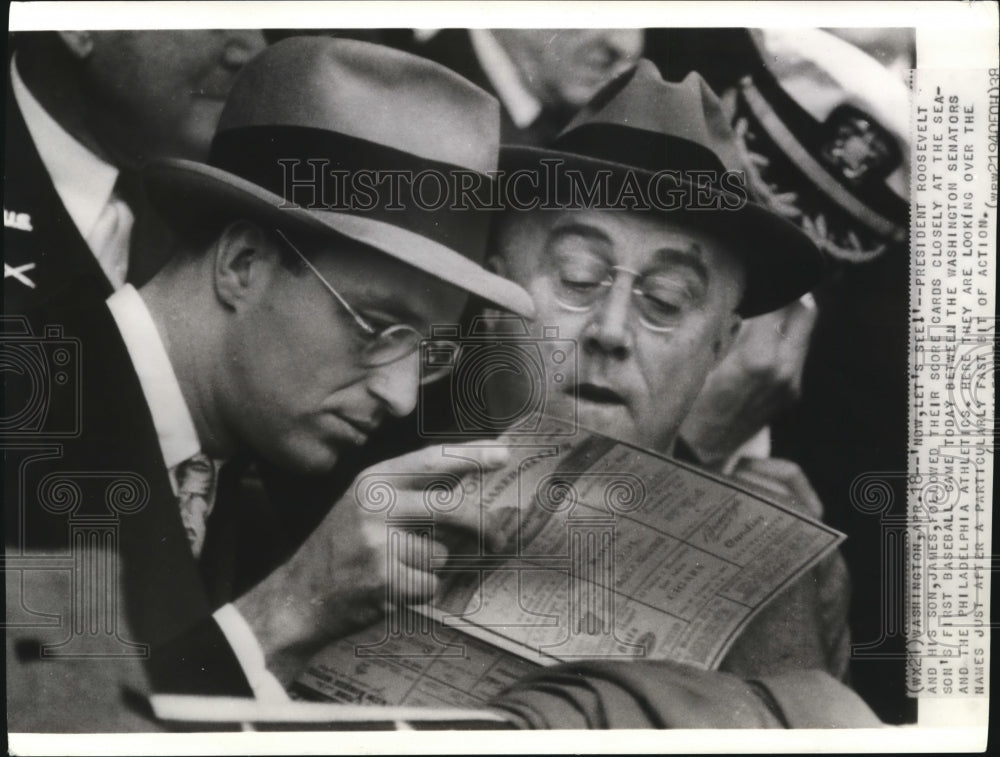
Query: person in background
824, 133
84, 110
541, 76
896, 49
828, 127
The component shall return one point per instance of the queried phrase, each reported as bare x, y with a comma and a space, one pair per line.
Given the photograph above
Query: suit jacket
663, 694
453, 48
90, 472
40, 237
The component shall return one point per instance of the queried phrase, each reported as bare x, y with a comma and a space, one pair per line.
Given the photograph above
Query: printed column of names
953, 227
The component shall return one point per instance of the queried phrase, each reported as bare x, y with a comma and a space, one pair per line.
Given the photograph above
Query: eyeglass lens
581, 280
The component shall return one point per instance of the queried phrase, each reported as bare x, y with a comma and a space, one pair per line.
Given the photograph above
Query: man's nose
396, 384
609, 329
241, 45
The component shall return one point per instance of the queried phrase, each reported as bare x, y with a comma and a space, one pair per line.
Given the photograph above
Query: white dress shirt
84, 182
522, 106
178, 442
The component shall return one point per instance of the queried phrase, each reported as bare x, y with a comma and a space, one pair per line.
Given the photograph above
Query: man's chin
306, 459
610, 420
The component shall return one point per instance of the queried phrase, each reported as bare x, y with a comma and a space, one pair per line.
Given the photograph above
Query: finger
791, 475
406, 585
784, 479
455, 514
457, 540
763, 485
463, 526
451, 458
798, 321
760, 338
417, 550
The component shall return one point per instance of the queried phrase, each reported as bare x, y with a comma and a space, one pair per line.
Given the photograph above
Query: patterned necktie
195, 497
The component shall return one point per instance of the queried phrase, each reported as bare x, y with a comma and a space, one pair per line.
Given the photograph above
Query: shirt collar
171, 417
522, 106
83, 181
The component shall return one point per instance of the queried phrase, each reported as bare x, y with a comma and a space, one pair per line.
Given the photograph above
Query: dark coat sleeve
662, 694
199, 661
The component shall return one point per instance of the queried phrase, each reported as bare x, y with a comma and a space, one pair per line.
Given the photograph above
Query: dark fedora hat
312, 115
665, 147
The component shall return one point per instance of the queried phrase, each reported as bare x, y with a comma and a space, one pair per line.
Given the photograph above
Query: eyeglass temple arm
367, 327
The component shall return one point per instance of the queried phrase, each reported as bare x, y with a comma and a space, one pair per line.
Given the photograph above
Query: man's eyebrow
575, 228
386, 311
690, 258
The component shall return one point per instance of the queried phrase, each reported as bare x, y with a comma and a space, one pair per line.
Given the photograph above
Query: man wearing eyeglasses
650, 272
282, 331
640, 243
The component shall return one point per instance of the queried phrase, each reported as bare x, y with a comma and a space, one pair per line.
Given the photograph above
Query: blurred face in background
564, 68
160, 93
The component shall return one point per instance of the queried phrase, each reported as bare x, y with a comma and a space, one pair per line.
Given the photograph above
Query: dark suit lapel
40, 238
246, 537
162, 588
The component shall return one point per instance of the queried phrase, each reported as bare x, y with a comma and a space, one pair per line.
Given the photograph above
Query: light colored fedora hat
833, 124
311, 113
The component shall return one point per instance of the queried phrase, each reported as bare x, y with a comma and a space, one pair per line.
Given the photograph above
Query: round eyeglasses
658, 298
393, 343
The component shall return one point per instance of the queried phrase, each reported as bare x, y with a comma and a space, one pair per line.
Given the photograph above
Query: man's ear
727, 337
80, 44
242, 260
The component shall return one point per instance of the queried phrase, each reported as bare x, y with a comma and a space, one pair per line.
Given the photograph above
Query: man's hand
781, 480
761, 375
346, 572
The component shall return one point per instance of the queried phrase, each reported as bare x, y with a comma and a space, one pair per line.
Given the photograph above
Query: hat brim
780, 260
174, 185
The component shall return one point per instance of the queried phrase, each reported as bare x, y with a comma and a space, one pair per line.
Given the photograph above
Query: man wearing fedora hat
279, 330
84, 110
653, 294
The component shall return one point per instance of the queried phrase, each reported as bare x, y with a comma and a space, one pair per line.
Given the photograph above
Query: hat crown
316, 131
640, 130
369, 92
679, 114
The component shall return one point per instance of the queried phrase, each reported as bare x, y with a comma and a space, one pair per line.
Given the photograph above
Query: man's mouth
598, 395
358, 429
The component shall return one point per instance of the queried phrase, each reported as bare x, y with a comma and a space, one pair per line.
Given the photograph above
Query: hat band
320, 170
803, 159
799, 128
640, 148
